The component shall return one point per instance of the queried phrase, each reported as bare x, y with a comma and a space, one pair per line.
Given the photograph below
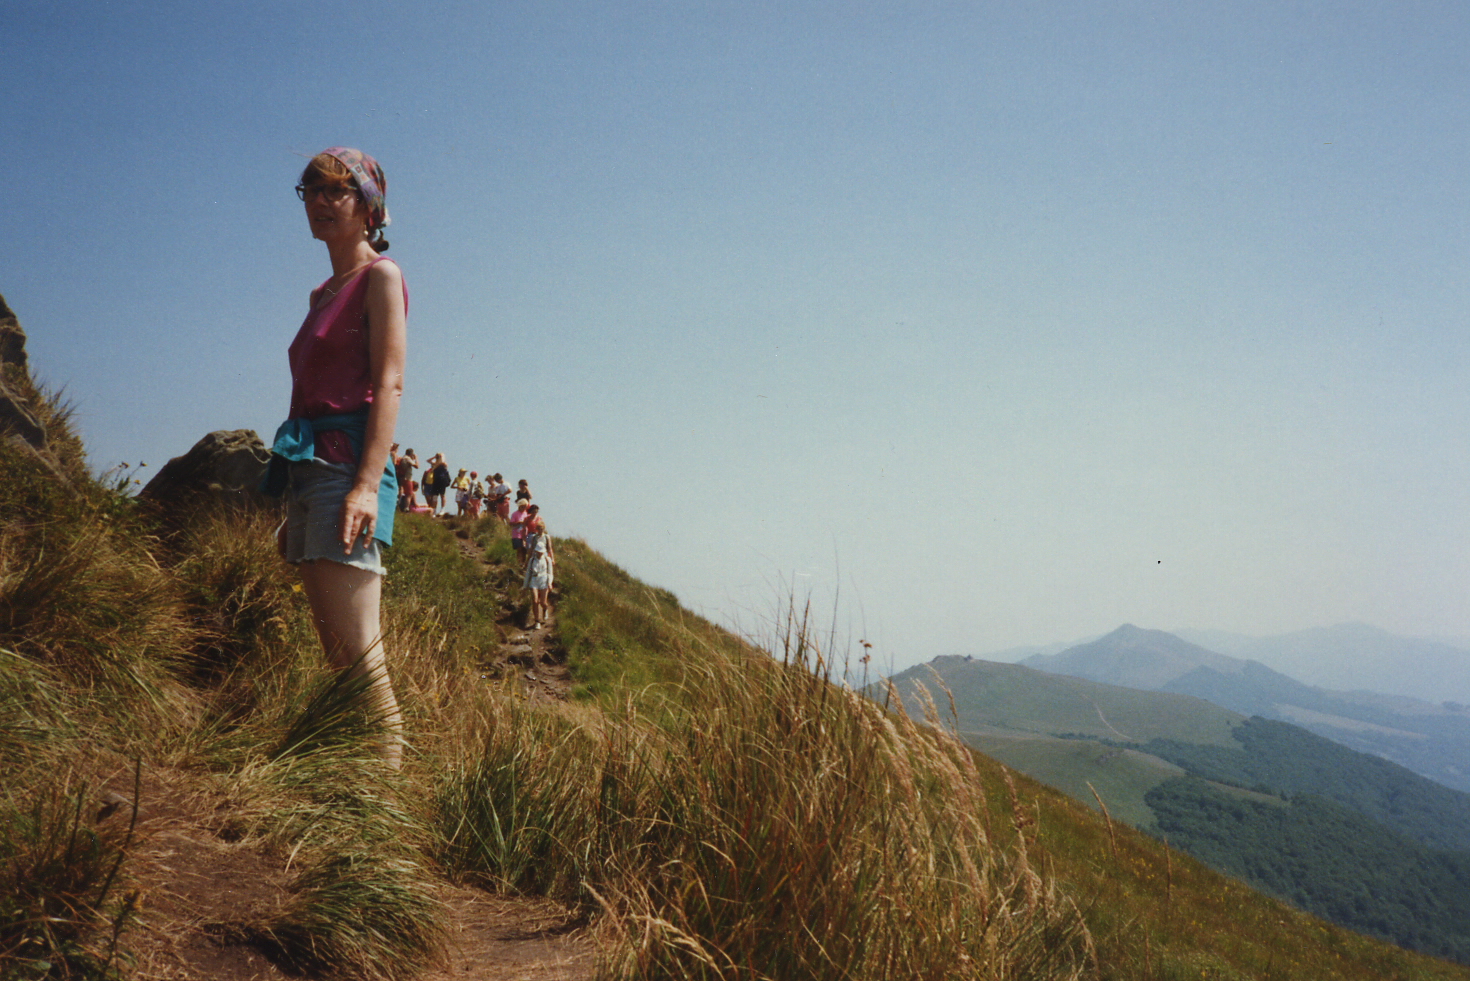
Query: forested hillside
1325, 858
1354, 838
1295, 814
1284, 759
1431, 740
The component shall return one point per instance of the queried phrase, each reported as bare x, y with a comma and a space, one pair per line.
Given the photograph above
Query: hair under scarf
371, 181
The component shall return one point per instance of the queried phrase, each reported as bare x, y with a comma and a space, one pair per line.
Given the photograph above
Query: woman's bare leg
345, 603
540, 605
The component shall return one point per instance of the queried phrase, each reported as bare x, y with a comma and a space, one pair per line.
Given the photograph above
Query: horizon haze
976, 323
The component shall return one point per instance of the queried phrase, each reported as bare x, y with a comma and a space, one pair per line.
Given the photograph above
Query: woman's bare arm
387, 353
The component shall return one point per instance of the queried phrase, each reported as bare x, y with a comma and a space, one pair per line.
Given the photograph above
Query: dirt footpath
197, 892
536, 655
195, 888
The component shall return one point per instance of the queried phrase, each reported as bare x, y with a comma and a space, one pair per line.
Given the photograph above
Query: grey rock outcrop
12, 339
20, 400
225, 466
17, 392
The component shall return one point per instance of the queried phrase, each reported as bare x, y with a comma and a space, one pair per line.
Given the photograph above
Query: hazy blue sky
1011, 321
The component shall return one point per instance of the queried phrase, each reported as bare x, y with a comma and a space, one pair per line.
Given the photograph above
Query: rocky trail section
536, 655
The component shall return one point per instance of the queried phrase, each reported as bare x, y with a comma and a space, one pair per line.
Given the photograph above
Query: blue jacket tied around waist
296, 442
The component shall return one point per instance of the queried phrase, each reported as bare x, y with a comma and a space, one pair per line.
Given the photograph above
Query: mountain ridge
1432, 740
1354, 656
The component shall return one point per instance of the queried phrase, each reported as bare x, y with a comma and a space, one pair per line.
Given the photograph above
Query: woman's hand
359, 517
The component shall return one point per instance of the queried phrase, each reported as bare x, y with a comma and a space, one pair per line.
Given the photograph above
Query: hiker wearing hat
330, 458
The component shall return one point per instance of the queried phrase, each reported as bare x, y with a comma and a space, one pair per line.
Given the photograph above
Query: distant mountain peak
1135, 657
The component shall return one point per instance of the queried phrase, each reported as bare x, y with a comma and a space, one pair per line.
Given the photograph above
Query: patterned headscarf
370, 181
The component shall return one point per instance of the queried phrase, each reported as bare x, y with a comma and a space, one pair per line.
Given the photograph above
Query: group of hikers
471, 494
492, 496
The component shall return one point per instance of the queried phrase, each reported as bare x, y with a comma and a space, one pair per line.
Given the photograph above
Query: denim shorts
314, 499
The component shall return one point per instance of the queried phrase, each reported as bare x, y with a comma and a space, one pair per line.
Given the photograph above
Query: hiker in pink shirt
518, 528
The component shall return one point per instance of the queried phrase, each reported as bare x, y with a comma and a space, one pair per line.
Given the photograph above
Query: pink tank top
331, 373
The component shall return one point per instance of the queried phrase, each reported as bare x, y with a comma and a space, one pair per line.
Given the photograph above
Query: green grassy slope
1019, 699
1017, 715
1085, 770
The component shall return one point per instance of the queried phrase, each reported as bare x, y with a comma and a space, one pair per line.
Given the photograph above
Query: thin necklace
350, 274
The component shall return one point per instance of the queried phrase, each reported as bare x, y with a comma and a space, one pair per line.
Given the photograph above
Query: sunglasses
332, 192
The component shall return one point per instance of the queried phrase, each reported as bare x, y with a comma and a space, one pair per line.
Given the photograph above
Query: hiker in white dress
540, 567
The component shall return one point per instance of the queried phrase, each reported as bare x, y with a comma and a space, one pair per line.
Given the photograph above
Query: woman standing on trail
540, 567
331, 457
427, 482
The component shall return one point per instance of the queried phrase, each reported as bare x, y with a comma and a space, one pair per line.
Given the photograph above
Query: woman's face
335, 211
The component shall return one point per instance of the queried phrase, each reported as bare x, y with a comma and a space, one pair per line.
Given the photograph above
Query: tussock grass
73, 597
33, 714
360, 913
191, 647
87, 601
60, 915
796, 830
338, 714
363, 902
764, 822
514, 811
240, 600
